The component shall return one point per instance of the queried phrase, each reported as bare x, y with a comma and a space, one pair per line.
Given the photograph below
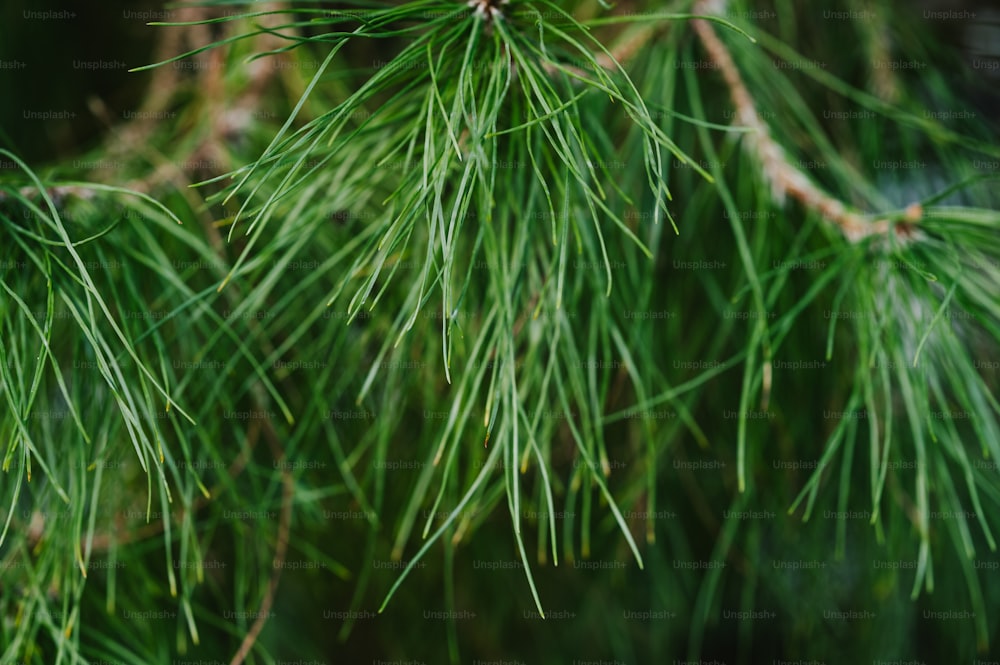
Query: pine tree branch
785, 178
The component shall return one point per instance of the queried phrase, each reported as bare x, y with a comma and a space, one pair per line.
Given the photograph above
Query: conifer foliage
503, 330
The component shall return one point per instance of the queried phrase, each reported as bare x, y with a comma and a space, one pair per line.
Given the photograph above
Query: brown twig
787, 181
280, 549
227, 115
627, 45
124, 536
785, 178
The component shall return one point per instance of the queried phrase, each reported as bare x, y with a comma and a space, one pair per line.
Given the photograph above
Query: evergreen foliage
386, 330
